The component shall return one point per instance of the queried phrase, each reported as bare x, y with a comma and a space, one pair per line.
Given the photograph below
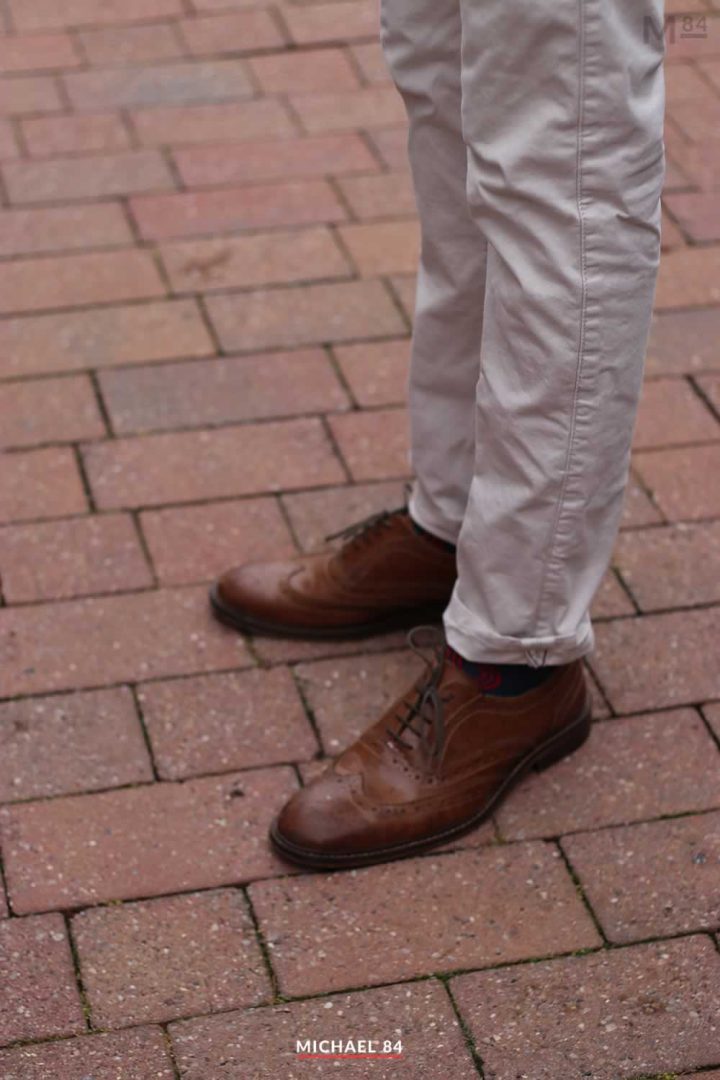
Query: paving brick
248, 460
300, 202
8, 143
37, 52
391, 145
711, 68
97, 176
306, 71
374, 444
672, 413
697, 125
710, 387
140, 44
40, 484
405, 287
20, 94
236, 33
162, 84
58, 560
652, 879
3, 915
140, 1054
53, 136
193, 394
712, 715
259, 259
75, 280
316, 514
683, 83
628, 770
699, 160
233, 122
131, 334
278, 318
196, 543
142, 842
672, 236
28, 232
419, 909
39, 996
271, 650
638, 508
381, 196
617, 1013
684, 342
659, 660
599, 706
148, 635
682, 7
204, 6
215, 723
688, 278
371, 60
42, 14
68, 743
611, 599
676, 566
675, 177
386, 248
369, 107
310, 24
347, 694
274, 159
309, 770
49, 410
161, 959
262, 1042
697, 213
685, 483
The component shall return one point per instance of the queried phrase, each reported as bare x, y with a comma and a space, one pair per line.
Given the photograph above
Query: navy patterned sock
500, 680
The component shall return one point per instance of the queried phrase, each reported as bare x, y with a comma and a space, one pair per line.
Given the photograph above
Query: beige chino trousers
537, 158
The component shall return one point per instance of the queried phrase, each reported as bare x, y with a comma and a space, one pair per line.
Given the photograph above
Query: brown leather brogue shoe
384, 576
435, 765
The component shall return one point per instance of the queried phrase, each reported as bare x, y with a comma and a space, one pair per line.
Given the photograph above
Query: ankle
437, 540
499, 680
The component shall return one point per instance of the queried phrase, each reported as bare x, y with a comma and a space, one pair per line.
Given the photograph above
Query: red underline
349, 1055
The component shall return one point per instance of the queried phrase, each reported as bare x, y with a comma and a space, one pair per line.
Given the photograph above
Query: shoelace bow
428, 705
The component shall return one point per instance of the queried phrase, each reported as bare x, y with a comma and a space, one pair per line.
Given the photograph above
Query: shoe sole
248, 624
552, 750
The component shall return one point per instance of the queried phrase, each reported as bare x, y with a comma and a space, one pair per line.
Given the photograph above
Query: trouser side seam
582, 229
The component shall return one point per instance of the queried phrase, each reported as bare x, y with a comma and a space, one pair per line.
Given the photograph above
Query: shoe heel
563, 743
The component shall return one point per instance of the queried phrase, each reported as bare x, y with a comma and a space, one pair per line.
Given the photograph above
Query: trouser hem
428, 519
481, 645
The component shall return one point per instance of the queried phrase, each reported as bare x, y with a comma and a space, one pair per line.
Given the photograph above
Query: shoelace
427, 705
363, 528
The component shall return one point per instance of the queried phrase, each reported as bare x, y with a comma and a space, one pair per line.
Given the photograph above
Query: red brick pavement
207, 247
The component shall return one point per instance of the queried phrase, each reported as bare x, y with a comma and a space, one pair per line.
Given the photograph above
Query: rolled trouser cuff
474, 640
